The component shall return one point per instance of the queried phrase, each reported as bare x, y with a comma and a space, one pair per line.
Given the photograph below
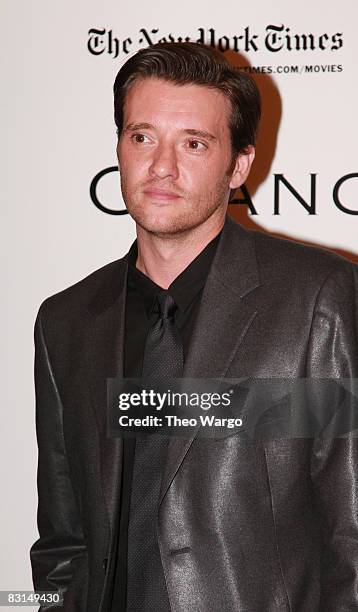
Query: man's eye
139, 138
196, 145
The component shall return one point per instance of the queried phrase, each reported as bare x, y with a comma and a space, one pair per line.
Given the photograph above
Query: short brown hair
193, 63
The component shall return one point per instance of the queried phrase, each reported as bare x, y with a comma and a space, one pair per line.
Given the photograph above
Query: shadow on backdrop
265, 153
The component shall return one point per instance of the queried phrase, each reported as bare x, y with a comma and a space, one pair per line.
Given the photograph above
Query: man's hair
193, 63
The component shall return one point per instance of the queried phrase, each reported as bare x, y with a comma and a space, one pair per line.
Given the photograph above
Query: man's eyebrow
132, 127
201, 134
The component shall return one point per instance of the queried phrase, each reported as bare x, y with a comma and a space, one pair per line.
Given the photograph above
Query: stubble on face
189, 212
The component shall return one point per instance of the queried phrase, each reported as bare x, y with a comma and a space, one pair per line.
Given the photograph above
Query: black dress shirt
141, 314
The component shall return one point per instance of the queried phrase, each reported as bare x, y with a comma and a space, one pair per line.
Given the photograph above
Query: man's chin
164, 229
161, 224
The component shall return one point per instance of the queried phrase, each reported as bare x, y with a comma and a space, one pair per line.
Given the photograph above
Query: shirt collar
183, 289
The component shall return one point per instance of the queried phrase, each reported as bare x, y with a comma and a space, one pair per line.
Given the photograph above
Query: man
229, 524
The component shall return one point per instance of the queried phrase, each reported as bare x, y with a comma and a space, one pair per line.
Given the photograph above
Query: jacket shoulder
280, 257
77, 298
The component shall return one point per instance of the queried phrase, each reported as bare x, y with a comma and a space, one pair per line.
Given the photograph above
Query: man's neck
163, 258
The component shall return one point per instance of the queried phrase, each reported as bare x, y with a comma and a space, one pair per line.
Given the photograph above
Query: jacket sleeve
333, 355
59, 556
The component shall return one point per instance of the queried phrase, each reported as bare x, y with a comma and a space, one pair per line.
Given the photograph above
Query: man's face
175, 156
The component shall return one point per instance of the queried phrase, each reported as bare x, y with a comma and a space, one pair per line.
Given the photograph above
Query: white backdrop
59, 134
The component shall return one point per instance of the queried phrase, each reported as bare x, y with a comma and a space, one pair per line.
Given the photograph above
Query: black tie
163, 351
163, 358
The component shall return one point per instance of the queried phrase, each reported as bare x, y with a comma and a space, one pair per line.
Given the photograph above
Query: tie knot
167, 306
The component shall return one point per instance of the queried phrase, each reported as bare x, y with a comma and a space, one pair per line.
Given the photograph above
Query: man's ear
242, 167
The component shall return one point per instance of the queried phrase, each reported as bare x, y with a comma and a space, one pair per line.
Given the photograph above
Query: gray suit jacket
243, 525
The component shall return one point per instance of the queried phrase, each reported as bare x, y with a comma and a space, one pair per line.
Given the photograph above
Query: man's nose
164, 163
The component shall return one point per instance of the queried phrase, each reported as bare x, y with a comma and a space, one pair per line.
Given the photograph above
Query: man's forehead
161, 83
151, 98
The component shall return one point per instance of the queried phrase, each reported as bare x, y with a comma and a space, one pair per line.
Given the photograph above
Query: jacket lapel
222, 322
105, 360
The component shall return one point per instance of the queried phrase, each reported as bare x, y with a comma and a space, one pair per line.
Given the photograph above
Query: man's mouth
161, 194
